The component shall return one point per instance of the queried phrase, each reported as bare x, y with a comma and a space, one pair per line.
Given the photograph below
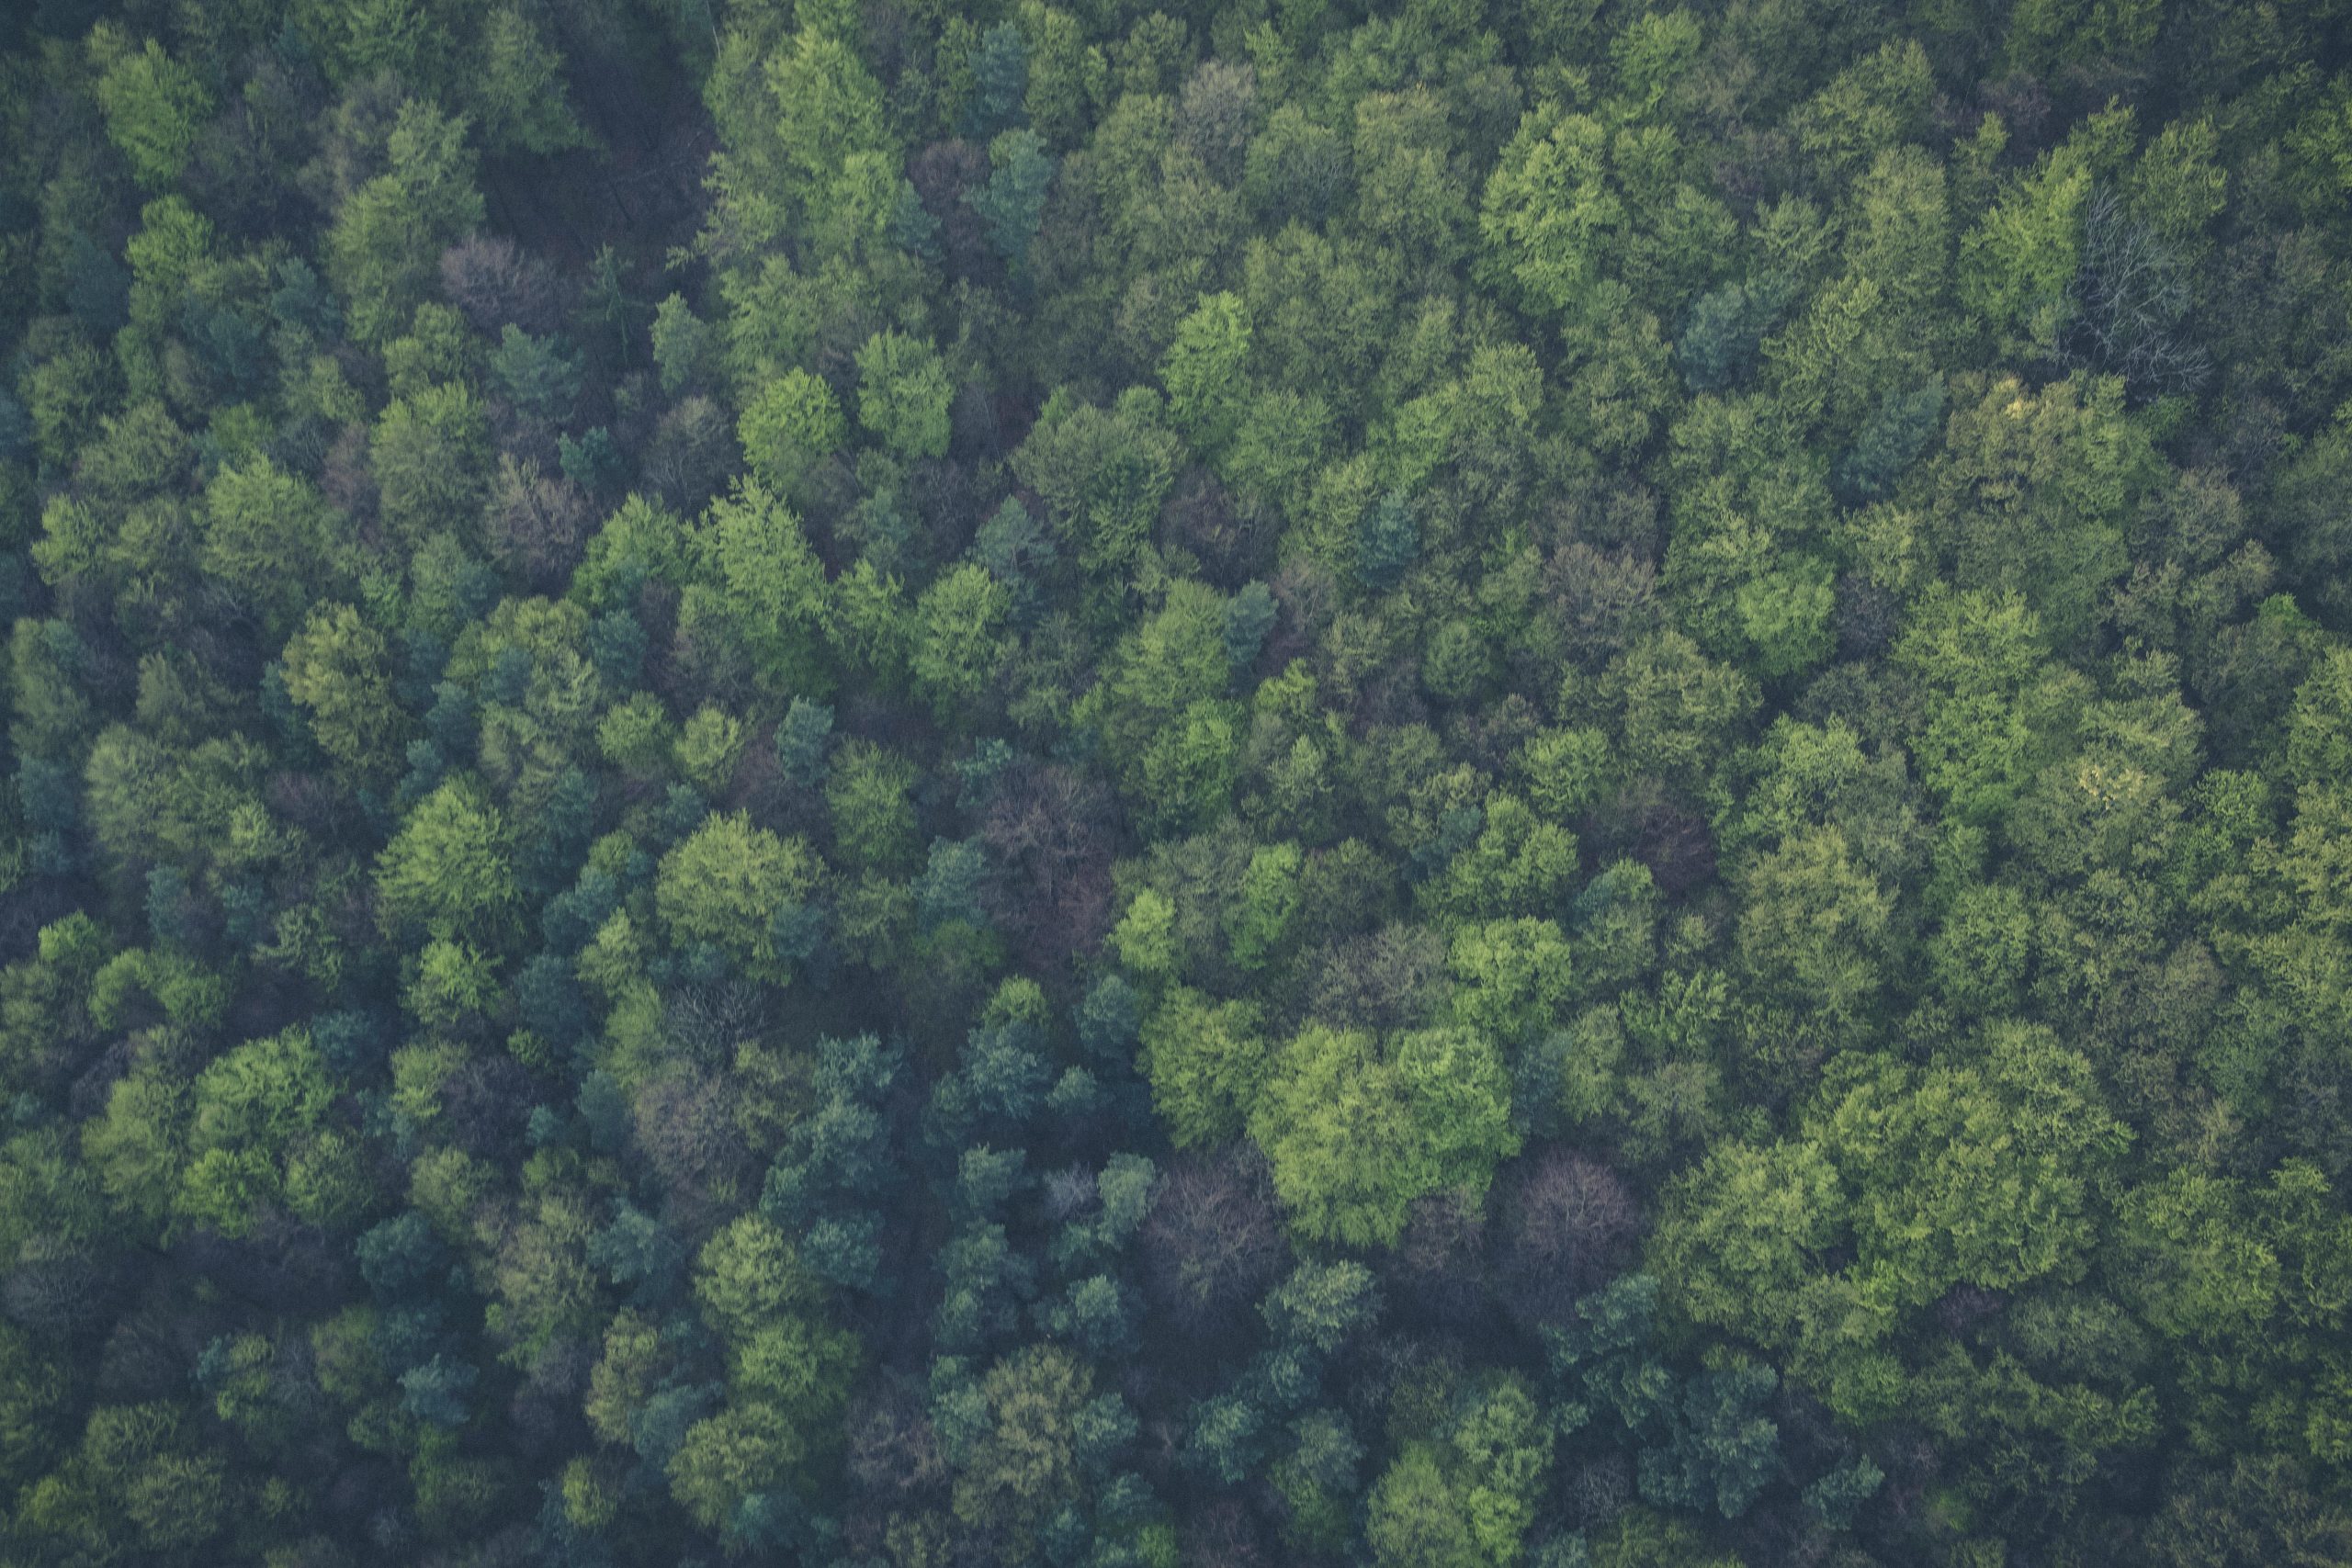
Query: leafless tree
495, 283
2131, 298
537, 523
1567, 1221
1212, 1242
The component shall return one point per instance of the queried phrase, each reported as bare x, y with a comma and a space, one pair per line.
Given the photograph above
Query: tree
903, 391
1517, 865
138, 1147
1387, 541
1565, 1222
431, 455
1000, 67
1405, 194
1101, 476
1260, 922
1206, 1063
1355, 1134
1742, 1234
335, 669
1991, 722
802, 741
1415, 1517
519, 88
1502, 1448
2010, 1194
1813, 939
1213, 1241
724, 884
874, 819
2196, 1268
1681, 709
1549, 210
959, 641
449, 868
1170, 673
747, 1274
270, 541
385, 248
2034, 492
1722, 1450
828, 105
1022, 1465
540, 376
251, 1110
155, 106
771, 587
1206, 371
1512, 977
790, 428
723, 1461
1012, 203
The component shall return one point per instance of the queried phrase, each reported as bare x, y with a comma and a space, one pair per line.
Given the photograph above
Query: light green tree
384, 251
959, 640
1355, 1134
448, 869
153, 105
336, 671
903, 391
790, 428
1206, 1061
725, 884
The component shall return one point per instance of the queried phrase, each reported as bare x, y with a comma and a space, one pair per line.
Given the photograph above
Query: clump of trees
893, 786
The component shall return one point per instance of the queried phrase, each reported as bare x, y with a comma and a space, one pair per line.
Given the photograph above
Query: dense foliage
1182, 783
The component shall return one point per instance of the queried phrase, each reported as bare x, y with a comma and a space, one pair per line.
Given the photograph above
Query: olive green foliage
1417, 783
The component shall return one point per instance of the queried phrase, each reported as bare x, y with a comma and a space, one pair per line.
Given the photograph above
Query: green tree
1469, 1498
1205, 372
449, 868
869, 795
1550, 212
1987, 1175
770, 589
828, 105
742, 1452
1355, 1134
1260, 922
1012, 203
747, 1274
1993, 713
1102, 475
1023, 1466
1206, 1062
1814, 935
432, 454
271, 541
790, 428
384, 250
903, 391
155, 106
253, 1111
2034, 493
724, 886
1510, 976
518, 88
1744, 1234
959, 640
336, 671
2193, 1264
138, 1146
1415, 1517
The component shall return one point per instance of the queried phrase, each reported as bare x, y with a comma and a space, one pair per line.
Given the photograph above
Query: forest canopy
1175, 784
